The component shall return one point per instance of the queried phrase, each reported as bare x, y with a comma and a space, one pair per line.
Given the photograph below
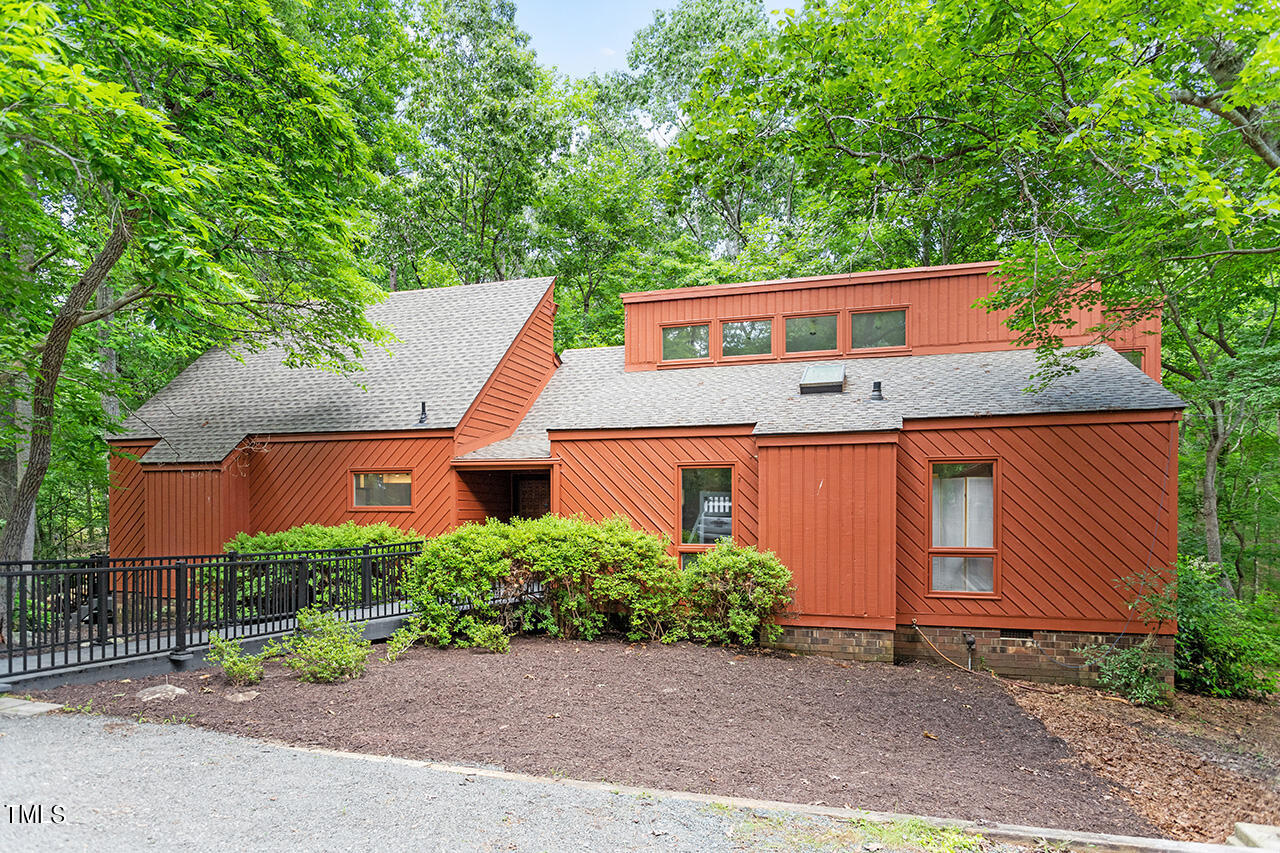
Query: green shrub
486, 635
732, 594
324, 648
1135, 672
318, 537
403, 638
239, 668
1224, 648
452, 582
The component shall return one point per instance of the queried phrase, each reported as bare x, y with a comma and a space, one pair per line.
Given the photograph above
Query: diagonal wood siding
516, 382
636, 477
828, 512
1082, 505
126, 500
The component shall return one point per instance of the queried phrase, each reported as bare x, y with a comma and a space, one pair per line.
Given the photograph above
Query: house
873, 429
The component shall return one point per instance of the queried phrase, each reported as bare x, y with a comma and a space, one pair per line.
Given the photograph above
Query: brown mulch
1192, 771
920, 740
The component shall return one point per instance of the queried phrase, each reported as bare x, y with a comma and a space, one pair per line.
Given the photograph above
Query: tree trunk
393, 277
21, 511
1209, 493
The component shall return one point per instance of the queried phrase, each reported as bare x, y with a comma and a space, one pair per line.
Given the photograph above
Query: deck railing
58, 614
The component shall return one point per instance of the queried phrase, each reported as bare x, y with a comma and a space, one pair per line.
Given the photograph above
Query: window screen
811, 334
746, 337
392, 489
879, 329
685, 342
706, 505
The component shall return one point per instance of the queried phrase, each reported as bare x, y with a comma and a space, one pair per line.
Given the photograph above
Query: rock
161, 691
242, 696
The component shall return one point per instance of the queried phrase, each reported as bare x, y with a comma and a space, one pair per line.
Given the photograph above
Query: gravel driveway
127, 786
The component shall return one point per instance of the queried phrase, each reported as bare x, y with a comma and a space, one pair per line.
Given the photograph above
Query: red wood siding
236, 515
829, 513
940, 315
635, 476
185, 511
1082, 503
308, 481
516, 382
126, 500
482, 494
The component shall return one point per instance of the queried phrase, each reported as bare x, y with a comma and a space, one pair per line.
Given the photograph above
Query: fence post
180, 655
102, 576
366, 577
230, 588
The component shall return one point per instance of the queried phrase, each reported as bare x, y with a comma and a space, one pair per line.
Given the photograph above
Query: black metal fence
56, 614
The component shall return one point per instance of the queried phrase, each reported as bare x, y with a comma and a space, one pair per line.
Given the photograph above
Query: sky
581, 36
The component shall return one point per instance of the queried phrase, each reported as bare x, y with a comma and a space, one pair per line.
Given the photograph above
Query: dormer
918, 311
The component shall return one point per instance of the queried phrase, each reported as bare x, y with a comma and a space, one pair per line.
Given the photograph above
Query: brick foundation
844, 643
1046, 656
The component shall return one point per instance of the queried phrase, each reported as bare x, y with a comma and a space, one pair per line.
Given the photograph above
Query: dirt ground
1193, 771
918, 740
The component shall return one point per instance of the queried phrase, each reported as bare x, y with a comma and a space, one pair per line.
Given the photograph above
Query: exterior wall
482, 494
828, 511
185, 511
307, 479
127, 500
1083, 501
861, 644
634, 473
939, 302
516, 382
1046, 656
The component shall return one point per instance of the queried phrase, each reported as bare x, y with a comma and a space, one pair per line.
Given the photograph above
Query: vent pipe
875, 391
422, 418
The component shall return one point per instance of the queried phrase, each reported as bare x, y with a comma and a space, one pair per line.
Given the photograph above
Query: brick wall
845, 643
1046, 656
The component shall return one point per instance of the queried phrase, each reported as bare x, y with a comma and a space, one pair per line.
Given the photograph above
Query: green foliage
731, 594
403, 638
486, 635
239, 668
324, 649
317, 537
1223, 648
1136, 672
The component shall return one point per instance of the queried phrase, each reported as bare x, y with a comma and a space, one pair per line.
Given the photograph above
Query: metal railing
59, 614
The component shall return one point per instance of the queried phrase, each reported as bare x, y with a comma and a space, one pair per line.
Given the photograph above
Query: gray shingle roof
592, 391
450, 341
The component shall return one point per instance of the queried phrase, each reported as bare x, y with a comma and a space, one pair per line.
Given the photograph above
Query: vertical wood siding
185, 511
636, 477
309, 481
1082, 505
516, 382
829, 513
940, 316
126, 500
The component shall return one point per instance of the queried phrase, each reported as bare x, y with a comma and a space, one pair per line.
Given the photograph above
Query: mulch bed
919, 740
1193, 771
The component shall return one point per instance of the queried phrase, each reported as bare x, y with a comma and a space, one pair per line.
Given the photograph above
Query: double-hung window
962, 546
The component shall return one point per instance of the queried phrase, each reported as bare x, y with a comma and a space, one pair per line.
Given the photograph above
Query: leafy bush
317, 537
325, 649
487, 635
403, 638
239, 668
1135, 672
732, 594
1223, 648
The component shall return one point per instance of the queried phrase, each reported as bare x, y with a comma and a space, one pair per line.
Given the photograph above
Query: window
962, 553
383, 489
879, 329
746, 337
811, 334
706, 505
686, 342
1133, 356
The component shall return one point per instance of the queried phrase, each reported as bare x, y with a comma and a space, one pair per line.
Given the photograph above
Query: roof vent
822, 379
875, 391
422, 418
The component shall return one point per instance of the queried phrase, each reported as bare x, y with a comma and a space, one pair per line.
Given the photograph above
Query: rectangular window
811, 334
1133, 356
962, 551
681, 342
383, 489
706, 505
746, 337
879, 329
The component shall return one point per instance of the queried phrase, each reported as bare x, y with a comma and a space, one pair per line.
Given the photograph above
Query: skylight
822, 379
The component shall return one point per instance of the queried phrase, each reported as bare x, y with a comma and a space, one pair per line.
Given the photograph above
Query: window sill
380, 509
981, 596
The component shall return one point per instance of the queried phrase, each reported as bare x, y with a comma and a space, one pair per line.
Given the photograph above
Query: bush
732, 594
317, 537
403, 638
239, 668
325, 649
487, 635
1135, 672
1223, 648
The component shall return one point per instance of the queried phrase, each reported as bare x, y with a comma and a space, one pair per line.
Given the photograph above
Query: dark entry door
531, 495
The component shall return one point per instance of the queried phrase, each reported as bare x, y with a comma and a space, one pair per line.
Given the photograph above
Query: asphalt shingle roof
591, 390
450, 341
